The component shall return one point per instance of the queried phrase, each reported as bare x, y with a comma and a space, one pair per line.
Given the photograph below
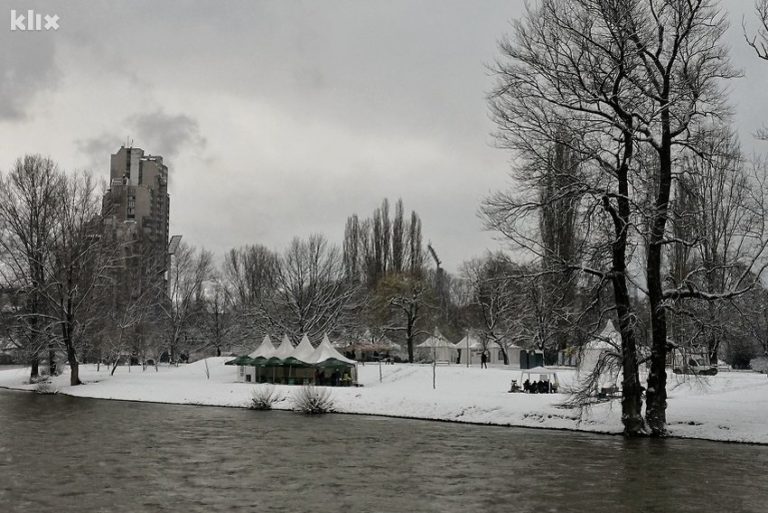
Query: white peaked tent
437, 348
332, 367
264, 351
298, 365
303, 351
606, 343
469, 348
326, 352
284, 350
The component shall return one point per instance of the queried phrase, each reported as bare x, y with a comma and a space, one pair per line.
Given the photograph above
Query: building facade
136, 215
137, 204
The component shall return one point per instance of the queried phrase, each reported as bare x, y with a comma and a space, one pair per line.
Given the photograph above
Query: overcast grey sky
283, 117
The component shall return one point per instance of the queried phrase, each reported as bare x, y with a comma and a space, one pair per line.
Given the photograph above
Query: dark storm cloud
157, 132
167, 133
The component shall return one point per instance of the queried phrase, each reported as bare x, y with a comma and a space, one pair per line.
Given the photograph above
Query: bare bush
311, 400
263, 397
45, 387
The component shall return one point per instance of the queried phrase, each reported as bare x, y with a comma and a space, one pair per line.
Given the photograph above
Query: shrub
313, 401
263, 397
45, 387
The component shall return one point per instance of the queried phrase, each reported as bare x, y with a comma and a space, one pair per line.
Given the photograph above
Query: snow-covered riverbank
731, 406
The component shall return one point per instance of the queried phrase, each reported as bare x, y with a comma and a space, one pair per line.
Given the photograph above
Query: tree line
632, 201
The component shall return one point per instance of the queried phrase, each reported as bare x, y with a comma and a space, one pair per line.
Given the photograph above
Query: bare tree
500, 303
759, 39
759, 42
398, 238
719, 225
312, 295
401, 301
221, 322
77, 269
636, 77
29, 196
559, 85
189, 270
249, 277
131, 305
555, 291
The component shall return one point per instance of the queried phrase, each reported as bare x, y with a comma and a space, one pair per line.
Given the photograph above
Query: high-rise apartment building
135, 211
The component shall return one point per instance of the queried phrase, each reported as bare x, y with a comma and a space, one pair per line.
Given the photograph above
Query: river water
63, 454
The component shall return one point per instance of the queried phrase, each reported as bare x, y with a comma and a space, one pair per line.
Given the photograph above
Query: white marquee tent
437, 348
495, 355
264, 351
606, 344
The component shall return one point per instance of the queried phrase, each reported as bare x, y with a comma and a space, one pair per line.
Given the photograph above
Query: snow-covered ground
731, 406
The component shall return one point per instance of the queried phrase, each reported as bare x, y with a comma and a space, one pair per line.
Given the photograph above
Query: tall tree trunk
35, 364
74, 377
66, 329
409, 337
51, 361
631, 399
656, 396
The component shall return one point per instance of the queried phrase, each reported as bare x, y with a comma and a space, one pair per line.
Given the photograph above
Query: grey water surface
62, 454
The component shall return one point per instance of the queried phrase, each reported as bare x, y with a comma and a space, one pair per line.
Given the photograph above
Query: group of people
538, 387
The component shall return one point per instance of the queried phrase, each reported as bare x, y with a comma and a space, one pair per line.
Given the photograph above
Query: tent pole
468, 353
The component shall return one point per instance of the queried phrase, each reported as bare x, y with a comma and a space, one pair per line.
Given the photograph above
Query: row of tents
468, 350
299, 365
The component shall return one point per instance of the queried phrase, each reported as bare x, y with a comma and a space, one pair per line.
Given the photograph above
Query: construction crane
442, 294
434, 255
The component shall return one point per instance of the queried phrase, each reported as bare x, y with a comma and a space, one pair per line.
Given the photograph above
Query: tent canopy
325, 352
240, 360
539, 373
302, 353
436, 341
283, 351
470, 341
265, 350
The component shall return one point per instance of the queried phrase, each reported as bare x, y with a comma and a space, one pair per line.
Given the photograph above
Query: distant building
137, 204
136, 214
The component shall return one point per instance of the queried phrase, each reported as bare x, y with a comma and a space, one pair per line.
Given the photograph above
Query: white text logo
33, 21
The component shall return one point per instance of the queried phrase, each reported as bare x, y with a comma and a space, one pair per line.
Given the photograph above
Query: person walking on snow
484, 360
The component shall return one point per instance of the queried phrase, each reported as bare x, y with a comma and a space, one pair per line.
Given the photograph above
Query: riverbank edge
389, 416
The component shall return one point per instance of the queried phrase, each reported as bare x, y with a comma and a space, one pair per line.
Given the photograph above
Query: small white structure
606, 345
437, 348
540, 375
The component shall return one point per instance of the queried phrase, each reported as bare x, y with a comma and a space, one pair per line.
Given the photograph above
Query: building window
131, 207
